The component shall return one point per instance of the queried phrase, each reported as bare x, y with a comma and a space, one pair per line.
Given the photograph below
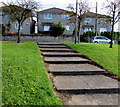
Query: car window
98, 38
104, 38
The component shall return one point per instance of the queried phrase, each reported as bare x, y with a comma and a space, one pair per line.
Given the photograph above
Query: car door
97, 40
100, 40
105, 40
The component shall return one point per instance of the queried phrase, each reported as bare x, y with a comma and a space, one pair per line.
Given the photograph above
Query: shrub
117, 35
90, 33
57, 29
44, 32
108, 35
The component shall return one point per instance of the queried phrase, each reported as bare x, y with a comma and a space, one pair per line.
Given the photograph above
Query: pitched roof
55, 10
93, 15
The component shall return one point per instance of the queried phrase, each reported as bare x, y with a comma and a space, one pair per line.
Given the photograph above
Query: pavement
76, 76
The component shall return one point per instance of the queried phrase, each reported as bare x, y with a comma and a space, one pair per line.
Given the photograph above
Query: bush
90, 33
57, 29
117, 36
44, 32
108, 35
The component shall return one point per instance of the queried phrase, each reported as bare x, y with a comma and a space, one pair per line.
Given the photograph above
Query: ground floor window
102, 29
87, 29
46, 28
67, 27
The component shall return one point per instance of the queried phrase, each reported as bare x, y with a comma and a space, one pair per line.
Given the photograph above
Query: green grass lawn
24, 79
99, 53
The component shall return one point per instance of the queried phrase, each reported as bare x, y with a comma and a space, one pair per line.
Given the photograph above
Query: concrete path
60, 54
85, 83
63, 60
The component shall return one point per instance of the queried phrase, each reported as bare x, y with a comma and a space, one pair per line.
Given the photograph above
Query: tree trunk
79, 29
79, 34
112, 32
18, 40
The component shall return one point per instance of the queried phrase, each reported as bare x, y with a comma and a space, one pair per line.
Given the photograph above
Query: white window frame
86, 29
47, 16
67, 27
103, 29
47, 28
88, 20
16, 26
65, 16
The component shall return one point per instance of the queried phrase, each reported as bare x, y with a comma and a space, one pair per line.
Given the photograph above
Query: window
16, 26
67, 27
47, 16
104, 38
102, 29
46, 28
88, 20
64, 16
98, 38
87, 29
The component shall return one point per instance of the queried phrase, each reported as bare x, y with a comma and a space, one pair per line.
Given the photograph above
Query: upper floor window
88, 20
47, 16
65, 16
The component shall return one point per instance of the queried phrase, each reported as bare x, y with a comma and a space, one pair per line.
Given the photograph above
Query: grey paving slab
94, 99
55, 49
53, 46
75, 68
49, 43
65, 60
92, 83
64, 54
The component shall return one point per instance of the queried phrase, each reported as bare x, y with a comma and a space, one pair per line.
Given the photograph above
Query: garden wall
41, 38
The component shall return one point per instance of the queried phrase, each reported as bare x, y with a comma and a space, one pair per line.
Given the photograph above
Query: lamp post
96, 20
75, 35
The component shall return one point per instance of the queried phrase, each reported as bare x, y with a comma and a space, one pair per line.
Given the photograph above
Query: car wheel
95, 42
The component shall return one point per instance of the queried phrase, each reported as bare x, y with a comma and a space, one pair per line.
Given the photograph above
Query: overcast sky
64, 3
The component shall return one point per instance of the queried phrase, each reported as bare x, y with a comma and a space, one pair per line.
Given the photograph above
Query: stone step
86, 84
60, 54
65, 60
75, 69
48, 43
97, 100
55, 50
52, 46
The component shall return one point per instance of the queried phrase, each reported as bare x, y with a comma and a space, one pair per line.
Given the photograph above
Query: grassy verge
100, 53
0, 72
24, 79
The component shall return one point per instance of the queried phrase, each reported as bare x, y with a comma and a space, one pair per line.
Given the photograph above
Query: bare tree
83, 9
113, 10
19, 11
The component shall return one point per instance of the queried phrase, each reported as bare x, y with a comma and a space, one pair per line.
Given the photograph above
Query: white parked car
100, 39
